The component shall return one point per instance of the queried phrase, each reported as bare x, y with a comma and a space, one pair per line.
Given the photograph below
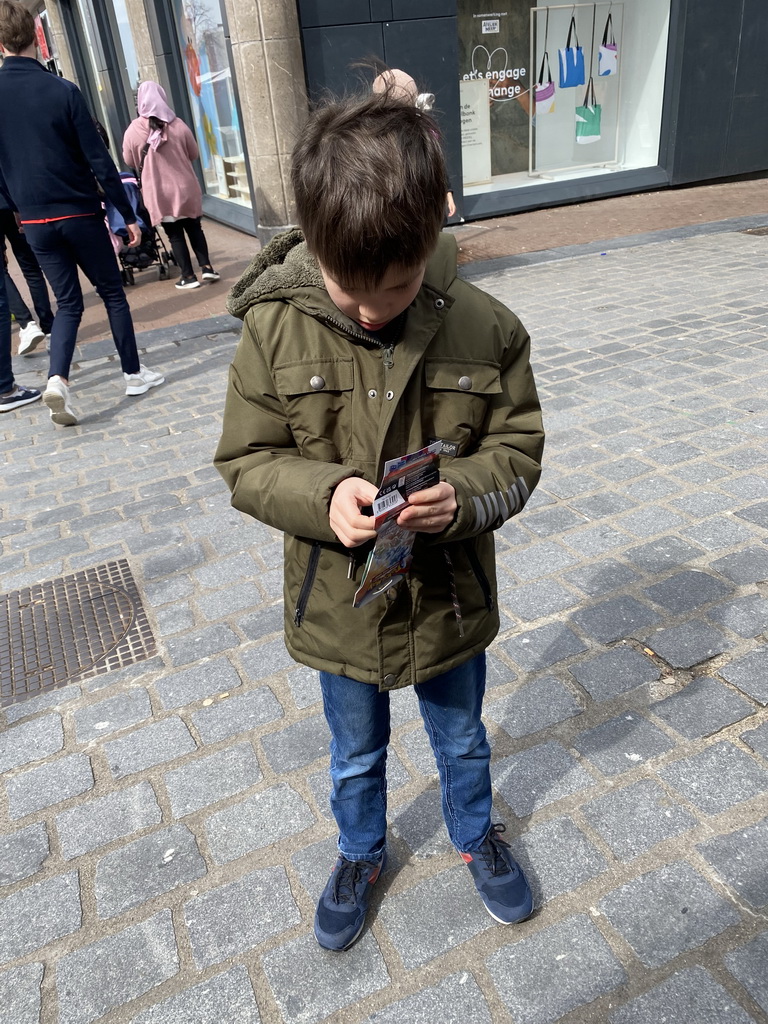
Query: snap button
390, 680
372, 393
392, 593
465, 383
317, 383
439, 303
390, 395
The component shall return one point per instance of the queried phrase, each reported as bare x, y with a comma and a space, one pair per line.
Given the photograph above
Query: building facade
540, 102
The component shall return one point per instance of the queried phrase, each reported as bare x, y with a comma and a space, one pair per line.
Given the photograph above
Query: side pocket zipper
306, 586
477, 569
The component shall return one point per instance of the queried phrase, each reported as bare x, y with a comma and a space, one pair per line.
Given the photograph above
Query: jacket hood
285, 264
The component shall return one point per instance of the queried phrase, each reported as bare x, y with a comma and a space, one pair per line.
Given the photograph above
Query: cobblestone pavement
165, 829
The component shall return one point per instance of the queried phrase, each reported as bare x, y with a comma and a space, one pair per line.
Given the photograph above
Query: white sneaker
138, 383
56, 397
29, 338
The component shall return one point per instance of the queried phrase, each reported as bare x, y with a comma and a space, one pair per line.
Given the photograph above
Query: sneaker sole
340, 949
27, 348
187, 287
142, 389
59, 413
211, 279
523, 916
18, 405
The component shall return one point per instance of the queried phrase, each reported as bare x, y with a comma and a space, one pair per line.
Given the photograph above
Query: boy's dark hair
370, 184
17, 27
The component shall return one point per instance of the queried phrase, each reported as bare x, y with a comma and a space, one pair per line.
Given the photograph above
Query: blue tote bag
571, 60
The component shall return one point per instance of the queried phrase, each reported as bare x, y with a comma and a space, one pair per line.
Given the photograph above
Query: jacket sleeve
258, 456
494, 482
98, 157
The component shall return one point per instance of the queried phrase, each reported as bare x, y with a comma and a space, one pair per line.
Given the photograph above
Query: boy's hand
349, 497
431, 510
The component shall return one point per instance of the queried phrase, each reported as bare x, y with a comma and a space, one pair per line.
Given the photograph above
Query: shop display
588, 117
608, 58
571, 60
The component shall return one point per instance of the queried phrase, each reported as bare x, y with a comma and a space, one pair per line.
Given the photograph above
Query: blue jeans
358, 717
62, 246
6, 368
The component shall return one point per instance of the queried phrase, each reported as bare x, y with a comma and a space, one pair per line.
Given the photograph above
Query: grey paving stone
257, 822
138, 872
174, 589
661, 555
434, 916
556, 857
112, 714
22, 853
747, 964
750, 674
538, 776
298, 745
553, 521
338, 981
702, 707
600, 506
20, 994
176, 560
453, 1000
634, 819
757, 739
747, 566
240, 915
237, 597
95, 822
108, 973
234, 715
262, 623
650, 521
419, 750
593, 541
615, 618
717, 533
622, 743
174, 618
201, 643
304, 684
49, 784
703, 503
570, 961
757, 514
601, 578
536, 600
51, 699
688, 644
227, 998
193, 684
30, 741
687, 591
614, 672
144, 748
537, 560
267, 659
747, 616
217, 573
496, 674
666, 912
690, 996
540, 648
420, 824
206, 780
534, 706
39, 914
739, 859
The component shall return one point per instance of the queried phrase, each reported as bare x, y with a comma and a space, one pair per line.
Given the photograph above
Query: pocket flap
317, 375
466, 375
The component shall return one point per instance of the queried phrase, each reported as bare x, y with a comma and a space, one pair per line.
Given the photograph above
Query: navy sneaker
499, 879
342, 907
18, 397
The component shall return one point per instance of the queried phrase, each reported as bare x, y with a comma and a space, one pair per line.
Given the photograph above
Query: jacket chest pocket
317, 398
457, 395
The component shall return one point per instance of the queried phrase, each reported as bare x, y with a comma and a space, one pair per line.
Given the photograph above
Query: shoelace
345, 882
492, 851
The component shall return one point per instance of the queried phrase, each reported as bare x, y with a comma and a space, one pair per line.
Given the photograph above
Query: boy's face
374, 307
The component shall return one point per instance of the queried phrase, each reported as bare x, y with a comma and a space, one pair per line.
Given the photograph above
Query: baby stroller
151, 250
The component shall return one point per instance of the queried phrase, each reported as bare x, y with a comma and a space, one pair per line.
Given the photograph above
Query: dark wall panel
328, 53
314, 13
420, 9
748, 135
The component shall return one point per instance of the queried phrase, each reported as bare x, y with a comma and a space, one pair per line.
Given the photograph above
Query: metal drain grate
71, 628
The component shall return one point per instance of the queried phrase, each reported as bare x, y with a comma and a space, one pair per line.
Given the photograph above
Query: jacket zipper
477, 569
306, 586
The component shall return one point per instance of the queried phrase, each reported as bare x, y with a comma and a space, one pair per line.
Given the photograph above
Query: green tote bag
588, 117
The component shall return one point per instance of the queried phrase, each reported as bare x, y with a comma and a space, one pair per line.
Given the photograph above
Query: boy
361, 345
59, 205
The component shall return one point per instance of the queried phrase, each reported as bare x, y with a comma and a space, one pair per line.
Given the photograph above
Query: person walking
31, 331
161, 148
12, 395
58, 205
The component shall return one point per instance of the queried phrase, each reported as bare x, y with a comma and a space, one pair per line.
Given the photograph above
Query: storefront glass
536, 104
130, 60
208, 80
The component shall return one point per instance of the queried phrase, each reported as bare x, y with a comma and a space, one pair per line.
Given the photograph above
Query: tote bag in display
588, 118
571, 61
544, 91
608, 55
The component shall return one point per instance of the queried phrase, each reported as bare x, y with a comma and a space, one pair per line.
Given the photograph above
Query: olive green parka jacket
313, 399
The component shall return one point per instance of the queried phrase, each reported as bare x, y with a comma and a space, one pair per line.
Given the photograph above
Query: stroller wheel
163, 272
129, 278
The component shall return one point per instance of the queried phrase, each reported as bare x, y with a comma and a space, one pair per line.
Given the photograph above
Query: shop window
557, 91
208, 79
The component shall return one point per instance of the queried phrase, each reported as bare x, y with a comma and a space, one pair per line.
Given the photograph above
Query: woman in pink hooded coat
161, 147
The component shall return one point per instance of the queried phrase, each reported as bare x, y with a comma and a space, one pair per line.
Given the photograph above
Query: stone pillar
59, 39
142, 40
269, 71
